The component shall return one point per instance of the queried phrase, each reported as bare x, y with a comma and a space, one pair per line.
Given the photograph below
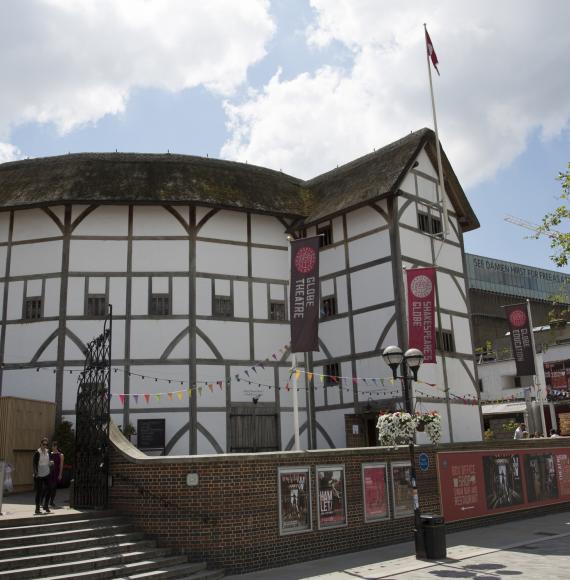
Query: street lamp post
409, 361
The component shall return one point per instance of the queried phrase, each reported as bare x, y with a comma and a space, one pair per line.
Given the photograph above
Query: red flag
431, 52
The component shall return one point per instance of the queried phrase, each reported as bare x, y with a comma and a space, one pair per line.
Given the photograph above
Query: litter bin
433, 528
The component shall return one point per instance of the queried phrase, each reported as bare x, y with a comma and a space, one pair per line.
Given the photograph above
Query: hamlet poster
331, 495
294, 500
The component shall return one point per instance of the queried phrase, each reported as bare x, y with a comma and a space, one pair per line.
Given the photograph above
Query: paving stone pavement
531, 548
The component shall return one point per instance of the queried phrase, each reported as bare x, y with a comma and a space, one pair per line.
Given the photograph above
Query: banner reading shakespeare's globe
304, 295
421, 319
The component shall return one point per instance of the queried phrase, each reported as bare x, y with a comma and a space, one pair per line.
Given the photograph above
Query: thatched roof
92, 178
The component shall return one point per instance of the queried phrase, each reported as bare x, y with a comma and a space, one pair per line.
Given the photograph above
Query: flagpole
438, 149
294, 369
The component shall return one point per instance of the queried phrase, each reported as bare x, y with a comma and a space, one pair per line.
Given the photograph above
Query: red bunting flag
122, 399
431, 52
147, 397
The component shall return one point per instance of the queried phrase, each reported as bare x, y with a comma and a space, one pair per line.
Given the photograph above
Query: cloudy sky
302, 85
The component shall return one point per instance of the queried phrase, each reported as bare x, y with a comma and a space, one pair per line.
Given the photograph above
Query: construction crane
530, 226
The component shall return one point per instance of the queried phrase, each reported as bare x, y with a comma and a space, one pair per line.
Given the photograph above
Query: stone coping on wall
134, 455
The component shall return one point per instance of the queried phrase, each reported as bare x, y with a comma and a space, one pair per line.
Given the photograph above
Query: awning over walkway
503, 408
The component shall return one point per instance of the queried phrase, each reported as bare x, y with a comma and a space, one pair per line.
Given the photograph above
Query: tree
559, 241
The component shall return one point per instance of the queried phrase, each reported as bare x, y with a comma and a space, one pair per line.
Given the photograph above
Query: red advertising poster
374, 490
421, 319
479, 483
331, 496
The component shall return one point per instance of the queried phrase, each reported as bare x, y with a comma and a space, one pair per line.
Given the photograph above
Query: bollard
2, 464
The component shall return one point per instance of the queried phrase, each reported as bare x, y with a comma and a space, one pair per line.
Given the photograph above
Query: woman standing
56, 456
42, 468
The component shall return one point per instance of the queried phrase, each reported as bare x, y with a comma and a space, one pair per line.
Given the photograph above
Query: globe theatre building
192, 253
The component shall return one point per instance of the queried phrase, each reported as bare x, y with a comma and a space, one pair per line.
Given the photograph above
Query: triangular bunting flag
169, 396
122, 399
147, 397
211, 387
136, 398
180, 395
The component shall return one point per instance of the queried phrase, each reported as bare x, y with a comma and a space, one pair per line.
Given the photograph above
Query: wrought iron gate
92, 413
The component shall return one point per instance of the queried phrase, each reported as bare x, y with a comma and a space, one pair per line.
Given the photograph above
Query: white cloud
9, 153
504, 68
71, 62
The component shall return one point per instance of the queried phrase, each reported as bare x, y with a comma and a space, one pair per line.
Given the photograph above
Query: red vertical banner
304, 294
421, 311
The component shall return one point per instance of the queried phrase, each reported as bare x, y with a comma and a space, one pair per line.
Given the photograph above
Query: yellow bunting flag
180, 395
189, 392
310, 375
297, 374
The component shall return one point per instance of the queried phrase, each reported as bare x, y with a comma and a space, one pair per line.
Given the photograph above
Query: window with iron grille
423, 222
33, 308
435, 225
96, 305
328, 306
429, 224
444, 341
159, 305
223, 306
276, 310
331, 370
325, 233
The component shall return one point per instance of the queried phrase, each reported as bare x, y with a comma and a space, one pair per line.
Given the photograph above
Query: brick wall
231, 518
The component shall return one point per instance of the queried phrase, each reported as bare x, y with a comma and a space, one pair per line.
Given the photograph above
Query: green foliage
510, 426
128, 430
489, 434
64, 434
559, 241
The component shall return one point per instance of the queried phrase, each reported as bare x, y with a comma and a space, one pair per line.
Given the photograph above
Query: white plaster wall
218, 258
211, 374
3, 254
450, 297
260, 308
425, 165
427, 189
242, 391
4, 225
408, 184
369, 327
33, 259
268, 230
450, 256
369, 248
31, 224
338, 229
87, 330
269, 263
415, 245
97, 256
139, 295
204, 296
331, 260
466, 423
241, 300
333, 423
215, 424
372, 286
29, 384
278, 292
409, 215
155, 221
341, 294
174, 422
75, 296
226, 225
363, 220
178, 374
180, 295
268, 338
118, 295
459, 382
150, 338
160, 256
51, 302
15, 301
69, 392
462, 335
287, 442
24, 340
230, 338
334, 334
106, 220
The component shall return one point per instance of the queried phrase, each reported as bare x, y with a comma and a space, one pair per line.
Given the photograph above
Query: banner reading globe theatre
304, 296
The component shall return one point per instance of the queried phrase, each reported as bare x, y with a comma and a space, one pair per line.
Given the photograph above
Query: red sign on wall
421, 308
479, 483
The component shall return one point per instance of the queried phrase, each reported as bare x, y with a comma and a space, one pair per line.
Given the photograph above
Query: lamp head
414, 359
393, 357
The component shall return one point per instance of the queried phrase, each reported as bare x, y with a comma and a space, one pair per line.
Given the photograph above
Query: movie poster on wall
374, 491
294, 500
479, 483
331, 496
402, 489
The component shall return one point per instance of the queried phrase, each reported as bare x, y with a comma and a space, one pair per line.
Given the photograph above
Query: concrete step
122, 570
59, 554
57, 515
60, 536
47, 523
180, 572
87, 566
32, 549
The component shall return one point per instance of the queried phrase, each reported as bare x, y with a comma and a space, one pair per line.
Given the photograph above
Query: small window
480, 385
276, 310
423, 222
325, 233
223, 306
159, 305
435, 226
33, 308
429, 224
96, 305
444, 341
330, 371
328, 306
